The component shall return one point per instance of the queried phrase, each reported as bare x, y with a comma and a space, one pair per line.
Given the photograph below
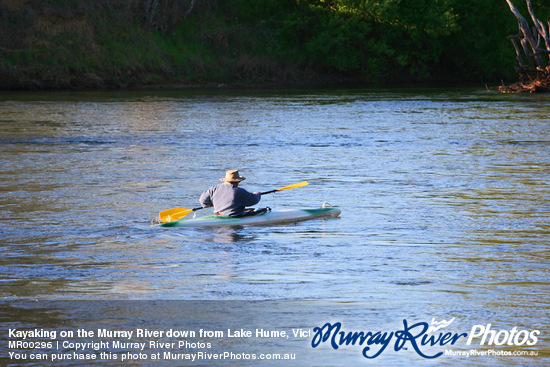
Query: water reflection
228, 235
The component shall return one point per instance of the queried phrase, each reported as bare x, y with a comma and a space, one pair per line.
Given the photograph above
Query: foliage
411, 39
118, 43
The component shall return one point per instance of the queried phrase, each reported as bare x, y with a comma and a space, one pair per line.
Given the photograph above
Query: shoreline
320, 85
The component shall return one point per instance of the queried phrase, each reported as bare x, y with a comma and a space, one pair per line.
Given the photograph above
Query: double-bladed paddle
173, 214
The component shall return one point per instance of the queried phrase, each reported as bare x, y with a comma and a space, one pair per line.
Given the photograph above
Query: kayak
268, 217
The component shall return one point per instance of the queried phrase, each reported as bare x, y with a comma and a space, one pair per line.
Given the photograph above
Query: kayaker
228, 198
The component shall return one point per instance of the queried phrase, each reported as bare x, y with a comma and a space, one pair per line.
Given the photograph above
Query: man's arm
206, 199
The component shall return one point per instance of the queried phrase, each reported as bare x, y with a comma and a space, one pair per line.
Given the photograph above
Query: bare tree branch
543, 31
536, 77
518, 51
527, 35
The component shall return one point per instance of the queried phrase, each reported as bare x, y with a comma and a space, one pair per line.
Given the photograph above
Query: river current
444, 194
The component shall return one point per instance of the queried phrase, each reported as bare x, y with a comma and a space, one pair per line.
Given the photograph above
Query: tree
534, 75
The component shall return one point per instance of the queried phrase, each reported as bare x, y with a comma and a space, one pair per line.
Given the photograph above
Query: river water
444, 194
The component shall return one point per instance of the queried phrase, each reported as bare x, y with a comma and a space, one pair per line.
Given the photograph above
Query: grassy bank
60, 44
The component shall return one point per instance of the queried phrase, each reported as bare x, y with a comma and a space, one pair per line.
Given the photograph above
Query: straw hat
232, 176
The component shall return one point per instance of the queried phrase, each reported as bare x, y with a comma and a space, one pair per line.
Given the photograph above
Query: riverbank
119, 44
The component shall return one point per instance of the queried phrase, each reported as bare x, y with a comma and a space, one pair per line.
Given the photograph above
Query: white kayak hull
270, 217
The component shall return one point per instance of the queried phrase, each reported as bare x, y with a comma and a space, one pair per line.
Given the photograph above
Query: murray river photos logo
420, 337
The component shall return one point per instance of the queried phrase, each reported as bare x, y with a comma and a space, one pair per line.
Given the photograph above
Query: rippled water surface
445, 199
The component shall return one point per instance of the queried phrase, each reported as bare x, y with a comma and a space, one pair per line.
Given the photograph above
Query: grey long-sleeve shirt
228, 199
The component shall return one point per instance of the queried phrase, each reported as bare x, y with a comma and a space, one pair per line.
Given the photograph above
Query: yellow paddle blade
293, 186
170, 215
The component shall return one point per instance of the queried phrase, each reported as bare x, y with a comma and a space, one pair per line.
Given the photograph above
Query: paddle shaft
268, 192
176, 213
262, 193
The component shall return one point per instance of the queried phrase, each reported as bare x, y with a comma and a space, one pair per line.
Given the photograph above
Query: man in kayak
228, 198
